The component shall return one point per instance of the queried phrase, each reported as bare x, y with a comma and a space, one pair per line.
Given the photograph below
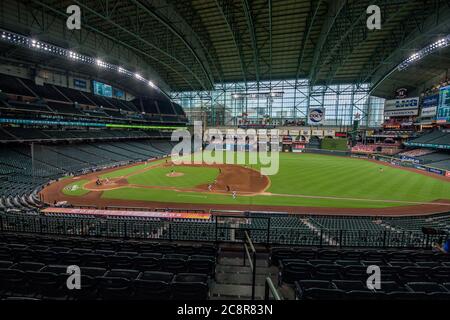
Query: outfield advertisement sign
437, 171
318, 133
409, 159
316, 116
401, 107
432, 170
297, 147
305, 132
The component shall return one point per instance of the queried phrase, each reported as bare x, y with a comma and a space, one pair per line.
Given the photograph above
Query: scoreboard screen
102, 89
443, 112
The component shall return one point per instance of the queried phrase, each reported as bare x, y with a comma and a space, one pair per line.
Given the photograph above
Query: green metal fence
219, 229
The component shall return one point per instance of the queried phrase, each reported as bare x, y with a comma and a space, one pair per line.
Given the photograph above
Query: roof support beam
137, 37
310, 23
93, 34
186, 32
359, 37
334, 9
224, 9
251, 27
270, 41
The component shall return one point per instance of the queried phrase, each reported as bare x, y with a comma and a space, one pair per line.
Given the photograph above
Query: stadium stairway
233, 279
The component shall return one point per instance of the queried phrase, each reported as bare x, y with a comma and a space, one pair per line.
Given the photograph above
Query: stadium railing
270, 289
250, 254
209, 231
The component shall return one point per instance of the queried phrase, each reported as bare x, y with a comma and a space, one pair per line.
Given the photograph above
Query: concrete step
239, 261
241, 269
231, 291
243, 278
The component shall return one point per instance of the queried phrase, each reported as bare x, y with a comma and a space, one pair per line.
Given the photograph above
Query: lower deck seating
37, 267
342, 274
24, 168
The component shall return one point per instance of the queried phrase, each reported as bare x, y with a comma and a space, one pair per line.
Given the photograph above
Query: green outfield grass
300, 177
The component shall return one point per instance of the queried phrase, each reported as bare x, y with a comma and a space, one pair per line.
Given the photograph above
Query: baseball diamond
176, 152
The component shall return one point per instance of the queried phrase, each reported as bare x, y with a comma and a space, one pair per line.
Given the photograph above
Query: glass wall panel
281, 101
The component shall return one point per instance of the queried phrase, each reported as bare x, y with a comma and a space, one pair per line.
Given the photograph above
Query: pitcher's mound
175, 174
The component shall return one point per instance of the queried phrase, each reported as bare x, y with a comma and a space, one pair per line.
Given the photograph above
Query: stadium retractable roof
193, 44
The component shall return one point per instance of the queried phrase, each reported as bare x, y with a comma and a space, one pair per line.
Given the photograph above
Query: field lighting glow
441, 43
35, 44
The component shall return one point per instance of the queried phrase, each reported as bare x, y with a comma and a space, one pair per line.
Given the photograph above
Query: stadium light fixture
100, 63
35, 44
441, 43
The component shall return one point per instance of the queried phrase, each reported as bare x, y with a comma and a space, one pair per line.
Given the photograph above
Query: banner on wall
305, 132
429, 106
430, 101
297, 147
428, 112
329, 133
318, 133
437, 171
294, 133
401, 107
316, 116
409, 159
262, 131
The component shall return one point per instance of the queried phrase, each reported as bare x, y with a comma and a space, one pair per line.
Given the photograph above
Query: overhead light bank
35, 44
441, 43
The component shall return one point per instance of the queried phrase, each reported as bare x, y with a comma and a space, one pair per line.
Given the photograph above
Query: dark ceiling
192, 45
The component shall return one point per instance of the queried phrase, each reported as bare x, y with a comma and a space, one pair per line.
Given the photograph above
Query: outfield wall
406, 164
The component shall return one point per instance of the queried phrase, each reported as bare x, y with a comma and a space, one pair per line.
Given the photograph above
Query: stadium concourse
351, 111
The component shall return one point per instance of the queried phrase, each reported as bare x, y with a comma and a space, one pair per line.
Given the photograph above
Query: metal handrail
269, 287
106, 227
251, 259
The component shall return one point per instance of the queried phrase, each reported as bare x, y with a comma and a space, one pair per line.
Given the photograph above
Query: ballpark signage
430, 101
401, 93
318, 133
401, 107
428, 111
443, 113
429, 106
306, 132
126, 213
316, 116
410, 159
437, 171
